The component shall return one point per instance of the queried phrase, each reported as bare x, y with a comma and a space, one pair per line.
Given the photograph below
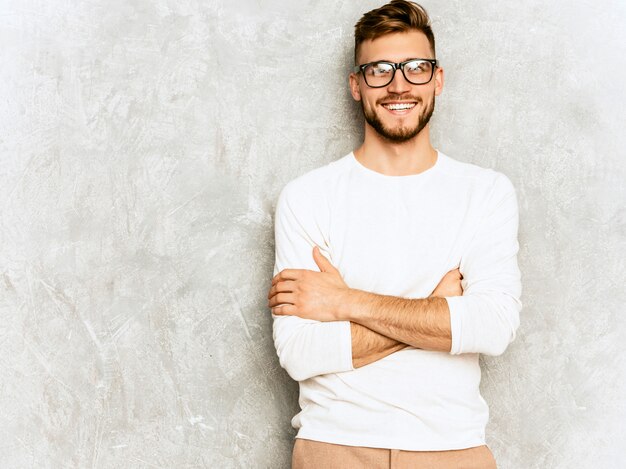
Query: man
396, 266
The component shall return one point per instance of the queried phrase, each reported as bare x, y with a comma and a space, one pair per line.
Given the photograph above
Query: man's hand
450, 285
319, 295
307, 293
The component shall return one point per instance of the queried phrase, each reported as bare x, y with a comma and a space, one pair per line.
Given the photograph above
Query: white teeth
398, 107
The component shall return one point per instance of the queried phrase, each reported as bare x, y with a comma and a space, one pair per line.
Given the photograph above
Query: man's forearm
369, 346
421, 323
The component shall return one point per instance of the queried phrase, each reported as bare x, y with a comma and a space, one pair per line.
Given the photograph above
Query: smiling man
396, 266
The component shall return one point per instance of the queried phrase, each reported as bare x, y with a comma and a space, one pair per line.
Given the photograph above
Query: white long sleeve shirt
399, 235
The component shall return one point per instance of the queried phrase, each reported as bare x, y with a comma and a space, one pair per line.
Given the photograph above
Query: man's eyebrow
393, 61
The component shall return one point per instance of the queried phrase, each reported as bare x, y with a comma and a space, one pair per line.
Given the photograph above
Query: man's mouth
399, 108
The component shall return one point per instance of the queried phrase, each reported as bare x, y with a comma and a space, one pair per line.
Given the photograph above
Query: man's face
397, 125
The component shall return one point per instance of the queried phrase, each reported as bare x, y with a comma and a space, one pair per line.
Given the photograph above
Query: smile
399, 109
399, 106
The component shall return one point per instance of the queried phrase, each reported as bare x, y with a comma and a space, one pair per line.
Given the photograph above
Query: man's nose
398, 83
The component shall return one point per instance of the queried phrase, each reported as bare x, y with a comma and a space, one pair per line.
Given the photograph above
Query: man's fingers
456, 273
452, 274
282, 286
284, 310
287, 274
285, 286
281, 298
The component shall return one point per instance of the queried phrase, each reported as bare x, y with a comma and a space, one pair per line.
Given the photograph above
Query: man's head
397, 16
395, 33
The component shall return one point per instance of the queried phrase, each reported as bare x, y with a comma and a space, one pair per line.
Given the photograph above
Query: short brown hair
395, 16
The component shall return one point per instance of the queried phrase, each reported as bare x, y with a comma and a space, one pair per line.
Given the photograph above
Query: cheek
369, 105
370, 101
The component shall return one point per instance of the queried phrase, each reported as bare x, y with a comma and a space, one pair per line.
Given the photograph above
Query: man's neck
396, 159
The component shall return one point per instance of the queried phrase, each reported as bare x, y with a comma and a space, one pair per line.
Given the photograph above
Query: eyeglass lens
416, 72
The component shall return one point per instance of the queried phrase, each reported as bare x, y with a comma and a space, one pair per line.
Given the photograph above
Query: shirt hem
390, 443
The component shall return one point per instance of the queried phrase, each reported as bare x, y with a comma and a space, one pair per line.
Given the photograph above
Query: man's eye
418, 67
379, 70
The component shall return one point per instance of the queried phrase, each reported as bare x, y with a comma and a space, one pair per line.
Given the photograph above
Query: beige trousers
310, 454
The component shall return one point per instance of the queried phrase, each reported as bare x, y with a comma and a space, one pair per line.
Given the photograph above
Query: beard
401, 133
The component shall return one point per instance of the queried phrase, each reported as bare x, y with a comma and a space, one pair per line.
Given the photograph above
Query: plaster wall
143, 145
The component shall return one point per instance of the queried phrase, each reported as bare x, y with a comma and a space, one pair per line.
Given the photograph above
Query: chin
398, 134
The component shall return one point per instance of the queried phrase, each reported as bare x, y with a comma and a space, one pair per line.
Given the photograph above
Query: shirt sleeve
305, 347
486, 317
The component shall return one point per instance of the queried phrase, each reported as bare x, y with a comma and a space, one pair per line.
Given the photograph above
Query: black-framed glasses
381, 73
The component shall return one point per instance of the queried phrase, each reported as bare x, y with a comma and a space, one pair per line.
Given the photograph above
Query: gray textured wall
142, 148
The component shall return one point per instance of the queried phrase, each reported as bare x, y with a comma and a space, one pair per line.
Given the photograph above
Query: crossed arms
323, 326
379, 324
430, 328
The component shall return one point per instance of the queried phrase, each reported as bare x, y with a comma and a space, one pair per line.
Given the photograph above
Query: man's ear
438, 81
355, 90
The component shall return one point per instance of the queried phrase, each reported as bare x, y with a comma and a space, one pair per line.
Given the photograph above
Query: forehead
395, 47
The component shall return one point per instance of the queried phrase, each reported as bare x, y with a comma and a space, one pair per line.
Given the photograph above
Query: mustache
417, 99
